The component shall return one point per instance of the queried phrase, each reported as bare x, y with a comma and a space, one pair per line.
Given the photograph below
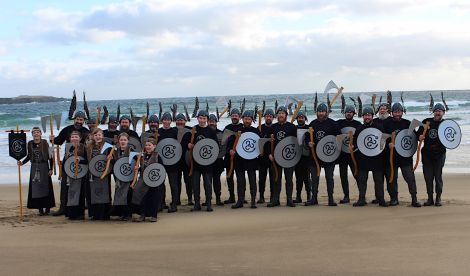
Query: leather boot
59, 212
382, 203
219, 202
430, 201
331, 201
360, 202
414, 201
197, 206
172, 208
290, 203
345, 200
312, 201
239, 204
438, 201
253, 202
230, 200
298, 198
261, 199
394, 201
209, 206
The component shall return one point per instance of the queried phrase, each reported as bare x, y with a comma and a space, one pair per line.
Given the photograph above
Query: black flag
17, 145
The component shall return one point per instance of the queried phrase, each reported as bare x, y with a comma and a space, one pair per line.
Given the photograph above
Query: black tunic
433, 147
320, 130
201, 133
366, 163
397, 126
240, 163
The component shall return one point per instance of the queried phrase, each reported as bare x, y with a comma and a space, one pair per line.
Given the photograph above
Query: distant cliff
31, 99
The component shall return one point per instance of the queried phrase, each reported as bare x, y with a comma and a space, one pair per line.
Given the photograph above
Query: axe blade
414, 124
227, 133
105, 147
58, 120
261, 143
44, 123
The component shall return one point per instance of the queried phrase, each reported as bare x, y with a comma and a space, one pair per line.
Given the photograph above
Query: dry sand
316, 240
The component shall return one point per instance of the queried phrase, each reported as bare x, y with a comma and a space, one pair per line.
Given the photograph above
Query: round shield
69, 168
406, 143
345, 143
450, 134
134, 144
223, 149
123, 170
368, 141
248, 147
154, 175
327, 149
97, 165
206, 152
170, 151
287, 152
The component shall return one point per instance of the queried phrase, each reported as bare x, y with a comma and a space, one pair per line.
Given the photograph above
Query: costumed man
433, 155
322, 126
397, 124
234, 127
282, 129
40, 190
112, 132
146, 199
183, 168
301, 169
123, 192
125, 126
219, 164
76, 186
345, 159
244, 165
265, 165
202, 131
366, 163
166, 132
64, 136
99, 197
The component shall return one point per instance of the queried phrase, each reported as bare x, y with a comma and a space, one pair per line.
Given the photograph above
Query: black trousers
230, 184
432, 170
408, 175
64, 189
378, 176
151, 202
241, 183
263, 174
175, 192
183, 171
207, 179
330, 183
343, 174
217, 184
302, 177
288, 174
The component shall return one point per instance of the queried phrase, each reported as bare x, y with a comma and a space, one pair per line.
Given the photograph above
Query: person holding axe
40, 190
233, 127
301, 169
183, 168
219, 165
265, 165
397, 124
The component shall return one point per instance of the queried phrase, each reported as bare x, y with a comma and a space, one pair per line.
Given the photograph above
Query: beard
383, 116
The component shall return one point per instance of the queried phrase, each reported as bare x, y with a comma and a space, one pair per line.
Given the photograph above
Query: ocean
416, 103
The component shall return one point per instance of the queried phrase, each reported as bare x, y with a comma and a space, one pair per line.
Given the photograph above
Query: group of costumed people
140, 194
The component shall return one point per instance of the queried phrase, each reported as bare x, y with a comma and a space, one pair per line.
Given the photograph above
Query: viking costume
122, 192
40, 190
230, 183
302, 177
218, 167
183, 168
76, 187
265, 165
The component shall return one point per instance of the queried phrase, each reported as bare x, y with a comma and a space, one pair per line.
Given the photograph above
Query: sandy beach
317, 240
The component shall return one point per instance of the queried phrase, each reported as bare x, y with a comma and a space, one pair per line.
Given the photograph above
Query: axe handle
223, 111
426, 127
144, 123
107, 164
260, 120
352, 152
276, 172
336, 96
392, 169
75, 155
59, 163
232, 157
136, 173
53, 155
312, 151
296, 111
191, 161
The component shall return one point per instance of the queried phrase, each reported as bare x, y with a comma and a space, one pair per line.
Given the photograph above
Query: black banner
17, 145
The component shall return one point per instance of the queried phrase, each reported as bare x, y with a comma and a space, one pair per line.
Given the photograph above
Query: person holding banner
40, 190
242, 164
397, 124
233, 127
345, 160
198, 170
368, 161
183, 169
123, 193
145, 198
433, 155
265, 165
99, 196
76, 182
323, 127
64, 136
281, 130
301, 169
168, 132
219, 164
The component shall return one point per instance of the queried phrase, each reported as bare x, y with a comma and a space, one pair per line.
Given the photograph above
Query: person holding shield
202, 132
345, 159
281, 130
397, 124
40, 190
64, 136
433, 155
219, 164
322, 127
368, 163
382, 117
183, 169
243, 165
301, 169
166, 132
265, 165
233, 127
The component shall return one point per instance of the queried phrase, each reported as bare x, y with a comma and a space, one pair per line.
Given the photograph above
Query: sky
151, 49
